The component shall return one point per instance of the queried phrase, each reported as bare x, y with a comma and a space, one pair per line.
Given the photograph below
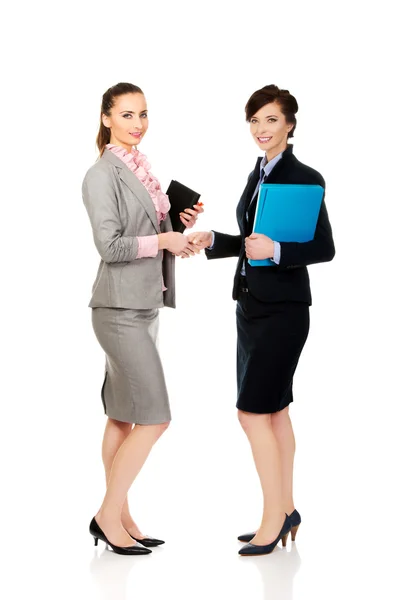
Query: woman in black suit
272, 313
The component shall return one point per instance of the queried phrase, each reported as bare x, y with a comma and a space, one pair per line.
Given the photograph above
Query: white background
198, 63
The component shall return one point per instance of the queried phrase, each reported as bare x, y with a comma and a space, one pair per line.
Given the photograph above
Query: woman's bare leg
283, 431
115, 434
264, 446
127, 463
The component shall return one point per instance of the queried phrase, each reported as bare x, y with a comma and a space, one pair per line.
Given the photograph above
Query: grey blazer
120, 208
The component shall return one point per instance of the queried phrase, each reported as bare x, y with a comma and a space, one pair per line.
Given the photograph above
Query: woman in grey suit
132, 231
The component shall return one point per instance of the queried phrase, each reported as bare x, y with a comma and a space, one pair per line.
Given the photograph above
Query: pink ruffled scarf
139, 165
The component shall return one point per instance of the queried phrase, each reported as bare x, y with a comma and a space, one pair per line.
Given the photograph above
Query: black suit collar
273, 177
286, 153
251, 185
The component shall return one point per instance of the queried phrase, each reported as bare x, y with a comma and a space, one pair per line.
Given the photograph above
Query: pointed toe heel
149, 542
255, 550
98, 534
295, 520
246, 537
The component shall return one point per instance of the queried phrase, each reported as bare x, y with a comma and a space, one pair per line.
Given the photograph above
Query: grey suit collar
134, 185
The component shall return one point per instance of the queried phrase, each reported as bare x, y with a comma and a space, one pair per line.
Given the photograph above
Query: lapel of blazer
279, 172
277, 175
136, 187
246, 196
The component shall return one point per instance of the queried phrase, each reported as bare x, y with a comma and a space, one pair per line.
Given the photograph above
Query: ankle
127, 520
109, 516
272, 517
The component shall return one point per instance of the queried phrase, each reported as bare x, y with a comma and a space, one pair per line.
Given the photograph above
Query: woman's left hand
259, 247
189, 216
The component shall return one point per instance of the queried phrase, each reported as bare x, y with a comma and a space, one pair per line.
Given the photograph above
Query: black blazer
288, 281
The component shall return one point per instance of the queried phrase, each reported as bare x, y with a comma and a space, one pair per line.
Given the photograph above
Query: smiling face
270, 130
128, 120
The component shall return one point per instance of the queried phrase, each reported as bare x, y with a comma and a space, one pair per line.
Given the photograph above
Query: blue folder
287, 213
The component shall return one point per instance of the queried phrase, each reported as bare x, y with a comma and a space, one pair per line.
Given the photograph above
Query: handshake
185, 245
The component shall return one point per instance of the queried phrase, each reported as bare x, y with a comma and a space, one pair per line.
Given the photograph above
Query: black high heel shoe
295, 519
98, 534
253, 550
148, 542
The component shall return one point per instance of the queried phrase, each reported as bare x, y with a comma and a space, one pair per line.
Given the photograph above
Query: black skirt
271, 337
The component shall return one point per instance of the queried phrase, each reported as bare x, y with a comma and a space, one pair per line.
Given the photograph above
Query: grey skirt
134, 389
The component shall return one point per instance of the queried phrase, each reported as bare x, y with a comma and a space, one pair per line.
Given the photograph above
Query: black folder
180, 197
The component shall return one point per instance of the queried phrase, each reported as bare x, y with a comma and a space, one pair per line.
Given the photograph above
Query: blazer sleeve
225, 246
320, 249
100, 200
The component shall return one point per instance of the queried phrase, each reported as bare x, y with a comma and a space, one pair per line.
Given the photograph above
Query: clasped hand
259, 246
195, 242
188, 217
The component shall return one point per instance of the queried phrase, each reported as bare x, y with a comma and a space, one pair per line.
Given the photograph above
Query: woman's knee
163, 427
122, 426
158, 429
253, 421
280, 419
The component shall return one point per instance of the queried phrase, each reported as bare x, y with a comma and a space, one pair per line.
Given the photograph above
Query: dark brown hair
271, 93
104, 135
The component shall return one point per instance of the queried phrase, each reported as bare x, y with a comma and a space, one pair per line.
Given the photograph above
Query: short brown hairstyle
107, 102
271, 93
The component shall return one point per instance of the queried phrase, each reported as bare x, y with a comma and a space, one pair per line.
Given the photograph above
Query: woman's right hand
177, 244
